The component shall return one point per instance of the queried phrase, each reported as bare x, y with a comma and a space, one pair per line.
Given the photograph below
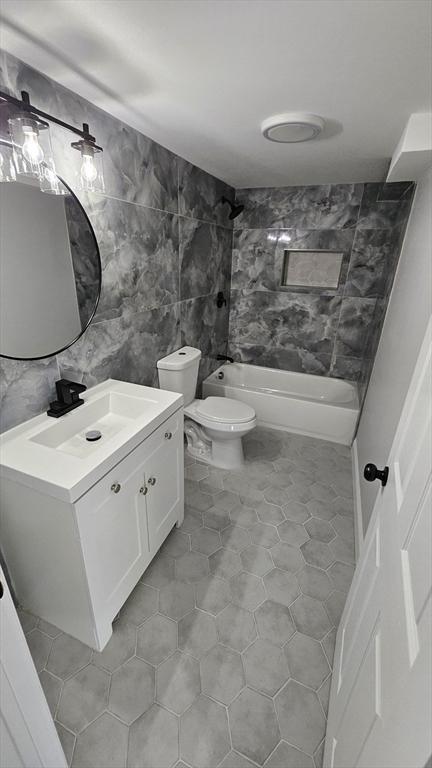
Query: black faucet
225, 357
67, 397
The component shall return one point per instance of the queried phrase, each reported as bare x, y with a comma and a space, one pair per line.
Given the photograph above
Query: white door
28, 738
380, 706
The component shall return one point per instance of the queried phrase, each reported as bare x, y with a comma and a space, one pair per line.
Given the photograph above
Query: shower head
236, 210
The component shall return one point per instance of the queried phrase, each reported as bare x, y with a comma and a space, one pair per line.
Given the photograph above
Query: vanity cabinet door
112, 527
164, 478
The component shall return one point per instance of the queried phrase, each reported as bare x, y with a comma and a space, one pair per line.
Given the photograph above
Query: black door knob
371, 473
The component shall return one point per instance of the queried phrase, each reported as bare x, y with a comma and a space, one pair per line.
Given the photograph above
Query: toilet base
211, 448
222, 456
227, 454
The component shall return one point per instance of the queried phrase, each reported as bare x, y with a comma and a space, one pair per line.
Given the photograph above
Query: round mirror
50, 270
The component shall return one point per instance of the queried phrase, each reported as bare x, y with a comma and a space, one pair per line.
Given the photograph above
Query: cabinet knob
143, 490
168, 435
116, 487
152, 481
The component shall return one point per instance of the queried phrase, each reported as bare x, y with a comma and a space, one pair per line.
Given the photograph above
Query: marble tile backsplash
330, 332
165, 242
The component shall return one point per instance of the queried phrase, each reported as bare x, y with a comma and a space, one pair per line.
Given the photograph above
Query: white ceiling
199, 76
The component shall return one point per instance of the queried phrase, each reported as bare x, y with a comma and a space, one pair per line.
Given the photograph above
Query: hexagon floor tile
132, 690
301, 719
212, 595
310, 617
153, 739
157, 639
192, 566
254, 726
286, 557
225, 563
222, 676
256, 560
176, 599
236, 627
274, 622
196, 633
266, 667
222, 653
83, 698
206, 541
178, 682
104, 742
307, 661
286, 756
247, 590
281, 586
293, 533
120, 647
204, 733
67, 656
314, 582
141, 604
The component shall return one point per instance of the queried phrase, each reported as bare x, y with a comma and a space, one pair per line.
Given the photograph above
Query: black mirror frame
62, 349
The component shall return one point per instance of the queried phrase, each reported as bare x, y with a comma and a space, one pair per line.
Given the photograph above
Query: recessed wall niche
311, 270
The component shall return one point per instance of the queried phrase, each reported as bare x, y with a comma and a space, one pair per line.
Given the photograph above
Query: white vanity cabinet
123, 520
75, 562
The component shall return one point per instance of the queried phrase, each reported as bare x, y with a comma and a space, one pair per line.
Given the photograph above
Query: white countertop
32, 453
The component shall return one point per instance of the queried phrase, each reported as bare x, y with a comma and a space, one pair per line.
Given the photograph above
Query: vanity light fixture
292, 127
91, 171
29, 138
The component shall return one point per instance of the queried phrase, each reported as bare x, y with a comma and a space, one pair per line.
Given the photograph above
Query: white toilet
214, 427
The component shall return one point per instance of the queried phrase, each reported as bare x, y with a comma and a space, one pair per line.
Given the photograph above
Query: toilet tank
178, 372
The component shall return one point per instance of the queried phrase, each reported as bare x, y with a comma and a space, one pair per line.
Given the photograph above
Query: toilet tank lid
180, 359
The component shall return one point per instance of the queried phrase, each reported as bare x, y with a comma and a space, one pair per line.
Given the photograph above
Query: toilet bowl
214, 427
223, 423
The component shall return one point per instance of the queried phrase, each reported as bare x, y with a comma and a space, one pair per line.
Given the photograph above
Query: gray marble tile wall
325, 332
165, 243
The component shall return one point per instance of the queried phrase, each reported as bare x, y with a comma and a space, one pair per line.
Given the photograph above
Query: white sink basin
109, 414
53, 455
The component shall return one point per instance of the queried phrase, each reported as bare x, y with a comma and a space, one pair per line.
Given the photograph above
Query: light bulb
31, 148
88, 169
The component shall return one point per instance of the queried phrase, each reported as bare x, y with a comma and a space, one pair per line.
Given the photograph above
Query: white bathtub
296, 402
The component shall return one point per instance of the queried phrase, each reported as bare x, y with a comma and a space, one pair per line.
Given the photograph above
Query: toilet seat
225, 410
240, 417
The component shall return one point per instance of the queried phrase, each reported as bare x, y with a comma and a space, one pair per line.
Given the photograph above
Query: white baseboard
358, 518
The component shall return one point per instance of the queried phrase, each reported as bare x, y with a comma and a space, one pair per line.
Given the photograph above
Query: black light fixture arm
24, 105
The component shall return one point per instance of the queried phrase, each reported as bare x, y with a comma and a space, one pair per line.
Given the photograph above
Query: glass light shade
90, 173
49, 182
32, 145
7, 163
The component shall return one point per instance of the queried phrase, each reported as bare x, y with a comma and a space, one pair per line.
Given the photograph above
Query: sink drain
93, 435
